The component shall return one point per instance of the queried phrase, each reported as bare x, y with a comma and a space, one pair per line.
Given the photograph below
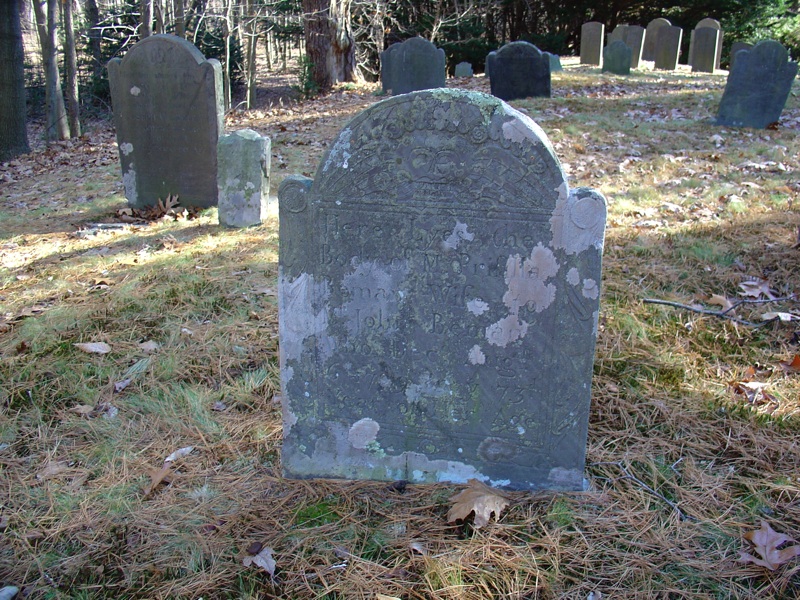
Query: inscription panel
439, 324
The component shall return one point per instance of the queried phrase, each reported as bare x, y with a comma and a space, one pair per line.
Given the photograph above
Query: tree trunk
71, 73
226, 67
57, 126
180, 19
329, 41
13, 133
92, 15
146, 25
250, 29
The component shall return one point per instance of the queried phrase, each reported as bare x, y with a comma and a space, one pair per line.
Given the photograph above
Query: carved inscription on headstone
439, 294
168, 114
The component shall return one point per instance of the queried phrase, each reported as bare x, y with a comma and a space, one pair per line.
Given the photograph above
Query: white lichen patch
590, 289
459, 233
426, 389
135, 91
129, 183
289, 419
476, 355
340, 153
527, 128
573, 277
372, 295
527, 280
126, 148
363, 433
579, 220
477, 307
305, 314
505, 331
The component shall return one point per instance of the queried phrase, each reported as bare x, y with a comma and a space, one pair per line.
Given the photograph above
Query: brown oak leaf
766, 542
480, 499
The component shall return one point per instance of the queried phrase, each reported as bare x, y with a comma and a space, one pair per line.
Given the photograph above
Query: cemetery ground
694, 437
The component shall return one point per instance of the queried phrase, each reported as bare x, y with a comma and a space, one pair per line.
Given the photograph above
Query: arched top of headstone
708, 22
659, 22
159, 48
519, 48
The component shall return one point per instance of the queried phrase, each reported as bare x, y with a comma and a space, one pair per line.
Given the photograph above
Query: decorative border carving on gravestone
438, 295
412, 65
167, 101
592, 38
519, 70
757, 86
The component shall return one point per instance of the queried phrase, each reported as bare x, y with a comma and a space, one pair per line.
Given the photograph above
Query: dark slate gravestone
438, 294
735, 47
519, 70
713, 24
668, 48
651, 37
463, 69
634, 39
168, 113
617, 35
555, 62
415, 64
757, 86
706, 44
617, 58
592, 34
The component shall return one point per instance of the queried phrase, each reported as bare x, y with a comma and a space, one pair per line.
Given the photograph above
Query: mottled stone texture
668, 48
519, 70
415, 64
438, 295
168, 113
463, 69
651, 37
617, 58
706, 44
592, 35
757, 87
243, 178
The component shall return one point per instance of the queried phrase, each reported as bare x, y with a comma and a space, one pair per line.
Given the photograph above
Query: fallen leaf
180, 453
419, 548
766, 542
792, 366
52, 469
94, 347
219, 406
384, 597
783, 316
82, 409
157, 477
121, 385
263, 559
756, 288
722, 301
480, 499
149, 346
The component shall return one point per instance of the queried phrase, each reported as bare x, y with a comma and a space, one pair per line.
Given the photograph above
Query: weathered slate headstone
555, 62
415, 64
757, 86
634, 39
168, 113
713, 24
706, 44
617, 35
519, 70
651, 38
617, 58
243, 178
592, 34
735, 47
668, 48
463, 69
438, 295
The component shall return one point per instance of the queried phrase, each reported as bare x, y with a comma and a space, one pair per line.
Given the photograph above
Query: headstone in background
706, 44
668, 48
243, 178
757, 87
555, 62
463, 69
735, 47
634, 39
415, 64
439, 293
168, 113
617, 35
519, 70
617, 58
714, 24
651, 38
592, 34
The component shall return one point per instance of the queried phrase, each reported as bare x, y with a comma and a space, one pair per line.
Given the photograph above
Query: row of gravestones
660, 42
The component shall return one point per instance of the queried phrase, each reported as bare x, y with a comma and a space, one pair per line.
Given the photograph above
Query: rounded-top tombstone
168, 113
412, 65
519, 70
651, 37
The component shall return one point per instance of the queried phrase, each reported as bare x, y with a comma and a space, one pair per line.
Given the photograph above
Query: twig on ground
725, 314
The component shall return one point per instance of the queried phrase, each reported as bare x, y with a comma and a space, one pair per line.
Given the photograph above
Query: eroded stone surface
168, 115
439, 293
243, 164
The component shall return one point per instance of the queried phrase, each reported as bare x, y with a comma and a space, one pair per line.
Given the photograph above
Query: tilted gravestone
713, 24
668, 48
438, 295
634, 39
651, 37
519, 70
706, 44
617, 58
243, 178
463, 69
757, 86
415, 64
735, 47
168, 113
592, 35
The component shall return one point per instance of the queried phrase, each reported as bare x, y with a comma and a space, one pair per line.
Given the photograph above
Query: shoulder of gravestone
176, 43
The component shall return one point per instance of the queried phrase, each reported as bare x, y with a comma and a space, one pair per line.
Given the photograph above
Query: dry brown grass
680, 466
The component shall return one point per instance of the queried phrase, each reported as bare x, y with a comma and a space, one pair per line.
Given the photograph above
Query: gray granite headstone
555, 62
243, 178
592, 35
634, 39
714, 24
757, 87
735, 47
668, 47
415, 64
651, 37
519, 70
463, 69
438, 300
617, 58
168, 113
706, 44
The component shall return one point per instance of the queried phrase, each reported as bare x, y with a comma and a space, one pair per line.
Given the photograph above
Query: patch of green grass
561, 514
317, 514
